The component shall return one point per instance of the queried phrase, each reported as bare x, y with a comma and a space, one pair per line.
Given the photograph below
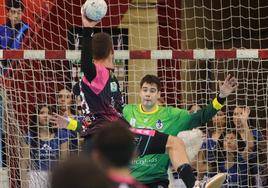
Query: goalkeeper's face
149, 95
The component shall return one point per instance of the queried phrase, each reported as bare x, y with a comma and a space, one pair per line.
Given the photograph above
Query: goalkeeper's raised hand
227, 86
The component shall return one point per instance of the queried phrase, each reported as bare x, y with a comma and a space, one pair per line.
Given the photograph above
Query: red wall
169, 37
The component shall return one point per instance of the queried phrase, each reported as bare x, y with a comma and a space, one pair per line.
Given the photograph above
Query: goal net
189, 44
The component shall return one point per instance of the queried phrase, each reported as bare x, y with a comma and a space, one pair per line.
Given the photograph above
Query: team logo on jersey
46, 147
46, 151
114, 87
159, 124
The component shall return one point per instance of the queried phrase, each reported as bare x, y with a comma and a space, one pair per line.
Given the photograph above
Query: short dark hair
80, 172
101, 45
115, 144
33, 128
151, 79
14, 4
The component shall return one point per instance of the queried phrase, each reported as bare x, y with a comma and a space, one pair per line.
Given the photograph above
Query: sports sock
186, 174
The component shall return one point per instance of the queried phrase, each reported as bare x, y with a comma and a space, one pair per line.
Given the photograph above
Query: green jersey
169, 120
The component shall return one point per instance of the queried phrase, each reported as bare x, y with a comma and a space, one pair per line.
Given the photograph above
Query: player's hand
59, 121
227, 86
87, 22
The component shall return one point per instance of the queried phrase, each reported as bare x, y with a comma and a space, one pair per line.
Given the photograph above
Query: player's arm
87, 66
204, 115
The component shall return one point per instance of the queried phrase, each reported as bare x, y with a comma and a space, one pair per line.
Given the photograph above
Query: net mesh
138, 25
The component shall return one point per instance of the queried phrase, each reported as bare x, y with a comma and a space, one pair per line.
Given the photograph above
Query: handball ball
95, 9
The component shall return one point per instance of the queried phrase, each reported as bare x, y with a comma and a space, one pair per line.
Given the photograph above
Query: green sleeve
177, 117
79, 127
202, 116
126, 110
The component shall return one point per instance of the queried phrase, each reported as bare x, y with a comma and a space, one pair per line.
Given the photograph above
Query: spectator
13, 32
11, 36
65, 103
213, 141
66, 107
219, 125
252, 152
46, 145
233, 163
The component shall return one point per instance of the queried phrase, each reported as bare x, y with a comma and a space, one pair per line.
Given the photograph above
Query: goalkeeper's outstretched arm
227, 87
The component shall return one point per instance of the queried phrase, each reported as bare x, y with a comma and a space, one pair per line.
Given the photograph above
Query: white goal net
189, 44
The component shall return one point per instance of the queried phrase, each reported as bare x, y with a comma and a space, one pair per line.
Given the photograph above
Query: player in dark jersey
102, 103
79, 172
114, 149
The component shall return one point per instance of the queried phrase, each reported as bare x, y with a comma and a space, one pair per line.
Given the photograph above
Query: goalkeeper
152, 169
102, 103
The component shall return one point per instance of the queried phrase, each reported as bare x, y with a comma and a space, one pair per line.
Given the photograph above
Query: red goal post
197, 54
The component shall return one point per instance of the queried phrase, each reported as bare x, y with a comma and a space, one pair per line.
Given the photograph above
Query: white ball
95, 9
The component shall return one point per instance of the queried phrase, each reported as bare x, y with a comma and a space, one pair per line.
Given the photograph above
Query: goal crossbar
140, 54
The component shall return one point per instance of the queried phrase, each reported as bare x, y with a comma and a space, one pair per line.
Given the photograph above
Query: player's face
15, 15
219, 120
149, 95
64, 99
43, 116
230, 142
237, 117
